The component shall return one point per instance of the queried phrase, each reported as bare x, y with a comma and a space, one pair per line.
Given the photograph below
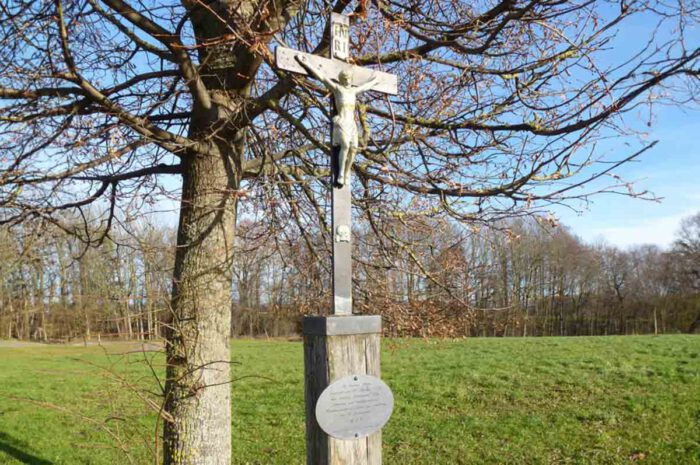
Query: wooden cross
330, 70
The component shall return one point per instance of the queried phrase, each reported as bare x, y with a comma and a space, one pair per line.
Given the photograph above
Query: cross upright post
345, 81
340, 345
341, 195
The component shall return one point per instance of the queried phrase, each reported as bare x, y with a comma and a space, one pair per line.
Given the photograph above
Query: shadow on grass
13, 448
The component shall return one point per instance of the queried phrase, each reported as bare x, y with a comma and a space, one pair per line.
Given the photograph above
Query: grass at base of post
588, 400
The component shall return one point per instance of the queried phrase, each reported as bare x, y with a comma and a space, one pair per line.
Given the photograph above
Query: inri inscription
354, 407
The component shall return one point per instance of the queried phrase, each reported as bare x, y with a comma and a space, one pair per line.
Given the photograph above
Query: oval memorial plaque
354, 407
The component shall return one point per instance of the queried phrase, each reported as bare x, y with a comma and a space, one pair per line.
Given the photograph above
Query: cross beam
285, 58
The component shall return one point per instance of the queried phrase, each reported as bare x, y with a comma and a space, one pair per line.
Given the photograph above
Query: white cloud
660, 231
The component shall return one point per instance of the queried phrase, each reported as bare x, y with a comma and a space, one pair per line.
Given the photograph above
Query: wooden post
334, 347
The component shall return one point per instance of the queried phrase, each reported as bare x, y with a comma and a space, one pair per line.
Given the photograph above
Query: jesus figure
344, 127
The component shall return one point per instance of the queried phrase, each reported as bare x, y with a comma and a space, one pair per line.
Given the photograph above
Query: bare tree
686, 249
499, 105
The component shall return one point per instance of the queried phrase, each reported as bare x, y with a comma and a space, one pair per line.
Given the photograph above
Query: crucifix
345, 81
347, 404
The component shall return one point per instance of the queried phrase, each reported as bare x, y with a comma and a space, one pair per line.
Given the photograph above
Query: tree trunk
117, 319
149, 314
127, 319
44, 337
86, 315
26, 330
695, 324
11, 315
197, 390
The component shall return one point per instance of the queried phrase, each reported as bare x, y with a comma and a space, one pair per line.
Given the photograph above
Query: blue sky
671, 170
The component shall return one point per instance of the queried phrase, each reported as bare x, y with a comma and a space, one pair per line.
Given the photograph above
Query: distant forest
522, 277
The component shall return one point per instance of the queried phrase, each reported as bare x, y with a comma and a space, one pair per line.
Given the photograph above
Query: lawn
597, 400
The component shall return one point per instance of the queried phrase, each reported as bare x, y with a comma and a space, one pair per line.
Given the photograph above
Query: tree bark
197, 390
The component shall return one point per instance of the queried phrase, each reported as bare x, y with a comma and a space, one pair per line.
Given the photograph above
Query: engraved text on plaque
354, 407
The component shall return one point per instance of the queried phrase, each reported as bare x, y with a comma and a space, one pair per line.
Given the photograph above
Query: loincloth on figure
344, 134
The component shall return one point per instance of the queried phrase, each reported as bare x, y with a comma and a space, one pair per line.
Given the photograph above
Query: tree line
54, 288
521, 277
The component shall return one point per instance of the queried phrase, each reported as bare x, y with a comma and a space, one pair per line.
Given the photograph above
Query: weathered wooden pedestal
334, 347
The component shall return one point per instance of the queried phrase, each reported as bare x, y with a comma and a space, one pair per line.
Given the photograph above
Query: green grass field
612, 400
